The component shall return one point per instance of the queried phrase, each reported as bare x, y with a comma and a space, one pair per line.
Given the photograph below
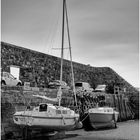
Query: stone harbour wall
39, 68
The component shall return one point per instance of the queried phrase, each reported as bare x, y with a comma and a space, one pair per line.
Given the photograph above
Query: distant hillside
40, 68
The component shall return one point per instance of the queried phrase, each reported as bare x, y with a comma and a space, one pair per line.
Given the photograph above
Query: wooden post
124, 102
114, 99
119, 108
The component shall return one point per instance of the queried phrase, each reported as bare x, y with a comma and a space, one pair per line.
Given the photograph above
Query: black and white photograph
70, 70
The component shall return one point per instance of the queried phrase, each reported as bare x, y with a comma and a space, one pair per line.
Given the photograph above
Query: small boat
101, 117
48, 117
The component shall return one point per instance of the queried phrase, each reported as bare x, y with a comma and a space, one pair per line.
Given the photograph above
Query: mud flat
128, 130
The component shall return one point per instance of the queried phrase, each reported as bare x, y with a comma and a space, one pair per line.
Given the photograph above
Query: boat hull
48, 123
100, 118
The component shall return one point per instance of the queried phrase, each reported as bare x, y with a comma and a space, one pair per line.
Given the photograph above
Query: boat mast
62, 49
62, 55
62, 52
73, 84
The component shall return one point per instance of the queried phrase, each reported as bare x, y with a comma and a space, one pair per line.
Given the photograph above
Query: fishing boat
49, 116
101, 117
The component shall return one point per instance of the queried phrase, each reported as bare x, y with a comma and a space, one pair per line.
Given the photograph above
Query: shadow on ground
70, 135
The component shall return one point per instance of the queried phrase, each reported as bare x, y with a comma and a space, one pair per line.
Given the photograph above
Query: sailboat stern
23, 118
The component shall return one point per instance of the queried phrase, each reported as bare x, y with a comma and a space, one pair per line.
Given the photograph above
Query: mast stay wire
52, 36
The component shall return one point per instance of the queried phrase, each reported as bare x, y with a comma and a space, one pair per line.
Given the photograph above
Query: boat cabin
44, 107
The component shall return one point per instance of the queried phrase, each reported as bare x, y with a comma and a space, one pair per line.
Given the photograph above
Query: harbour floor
128, 130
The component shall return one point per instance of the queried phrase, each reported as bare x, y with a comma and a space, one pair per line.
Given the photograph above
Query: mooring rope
85, 117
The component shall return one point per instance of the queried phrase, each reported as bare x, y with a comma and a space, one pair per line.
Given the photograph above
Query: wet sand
128, 130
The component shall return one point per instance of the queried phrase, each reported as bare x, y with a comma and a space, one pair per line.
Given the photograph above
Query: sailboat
48, 116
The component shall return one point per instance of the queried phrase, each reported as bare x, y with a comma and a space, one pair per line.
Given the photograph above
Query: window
64, 111
78, 84
5, 74
11, 76
43, 107
58, 111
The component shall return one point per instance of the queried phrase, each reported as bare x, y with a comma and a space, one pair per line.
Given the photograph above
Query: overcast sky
103, 32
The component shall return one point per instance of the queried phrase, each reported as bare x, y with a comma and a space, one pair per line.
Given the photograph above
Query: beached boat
48, 116
101, 117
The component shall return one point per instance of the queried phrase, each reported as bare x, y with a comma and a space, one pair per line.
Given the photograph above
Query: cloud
114, 22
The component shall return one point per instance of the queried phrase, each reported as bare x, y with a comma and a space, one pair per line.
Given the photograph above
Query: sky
103, 33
